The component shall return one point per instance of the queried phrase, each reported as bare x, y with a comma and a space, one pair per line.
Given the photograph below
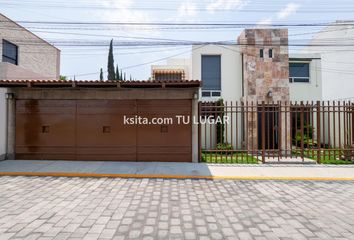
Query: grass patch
234, 158
327, 156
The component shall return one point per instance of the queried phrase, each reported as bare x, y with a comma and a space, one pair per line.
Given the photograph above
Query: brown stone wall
264, 75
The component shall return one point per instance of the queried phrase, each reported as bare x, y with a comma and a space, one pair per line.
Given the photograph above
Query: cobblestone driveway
77, 208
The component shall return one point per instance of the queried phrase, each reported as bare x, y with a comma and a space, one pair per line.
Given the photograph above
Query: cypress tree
110, 66
117, 73
124, 77
101, 74
121, 75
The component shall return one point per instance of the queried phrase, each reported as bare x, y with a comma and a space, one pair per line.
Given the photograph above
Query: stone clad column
266, 78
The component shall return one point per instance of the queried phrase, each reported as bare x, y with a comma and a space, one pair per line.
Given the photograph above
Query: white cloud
284, 13
122, 12
290, 9
187, 9
226, 5
265, 22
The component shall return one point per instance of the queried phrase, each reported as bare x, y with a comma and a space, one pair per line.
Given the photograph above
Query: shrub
224, 146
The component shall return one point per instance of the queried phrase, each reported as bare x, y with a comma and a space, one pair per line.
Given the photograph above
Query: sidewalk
175, 170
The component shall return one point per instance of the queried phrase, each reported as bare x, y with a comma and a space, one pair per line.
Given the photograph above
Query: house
259, 68
23, 56
320, 72
175, 69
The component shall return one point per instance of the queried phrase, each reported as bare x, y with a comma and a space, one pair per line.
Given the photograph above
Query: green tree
101, 74
110, 67
121, 75
117, 73
125, 77
63, 78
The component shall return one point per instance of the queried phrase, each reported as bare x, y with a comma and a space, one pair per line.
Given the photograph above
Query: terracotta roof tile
98, 83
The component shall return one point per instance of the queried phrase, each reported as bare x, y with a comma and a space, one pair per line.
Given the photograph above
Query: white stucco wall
337, 59
231, 90
231, 69
338, 75
311, 91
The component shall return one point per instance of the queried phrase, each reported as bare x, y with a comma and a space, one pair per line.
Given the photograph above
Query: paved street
107, 208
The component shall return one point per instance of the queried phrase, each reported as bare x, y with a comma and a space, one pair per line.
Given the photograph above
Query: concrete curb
105, 175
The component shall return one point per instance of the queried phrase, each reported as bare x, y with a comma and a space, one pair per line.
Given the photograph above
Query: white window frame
221, 83
309, 78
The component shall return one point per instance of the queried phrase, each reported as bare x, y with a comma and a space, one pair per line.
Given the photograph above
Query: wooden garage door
95, 130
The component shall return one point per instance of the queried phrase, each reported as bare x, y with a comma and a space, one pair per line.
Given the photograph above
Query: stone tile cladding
262, 75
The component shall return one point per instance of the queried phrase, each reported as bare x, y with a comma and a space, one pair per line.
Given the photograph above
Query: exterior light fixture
9, 95
196, 96
270, 94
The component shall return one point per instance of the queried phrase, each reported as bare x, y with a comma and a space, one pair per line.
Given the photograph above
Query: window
299, 72
206, 94
211, 72
270, 53
9, 52
261, 53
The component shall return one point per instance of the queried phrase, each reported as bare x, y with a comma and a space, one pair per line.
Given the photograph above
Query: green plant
223, 146
347, 153
308, 131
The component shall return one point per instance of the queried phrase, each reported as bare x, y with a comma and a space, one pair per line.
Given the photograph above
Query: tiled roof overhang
168, 71
99, 84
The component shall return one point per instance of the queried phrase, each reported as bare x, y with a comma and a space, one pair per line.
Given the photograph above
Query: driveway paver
114, 208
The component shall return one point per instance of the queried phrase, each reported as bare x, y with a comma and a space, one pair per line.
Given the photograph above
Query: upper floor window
299, 72
261, 53
9, 52
270, 53
211, 72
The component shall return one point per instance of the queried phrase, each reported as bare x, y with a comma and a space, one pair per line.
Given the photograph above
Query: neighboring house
23, 56
175, 69
259, 68
335, 46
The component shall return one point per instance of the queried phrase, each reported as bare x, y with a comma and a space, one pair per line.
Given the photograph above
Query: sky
84, 62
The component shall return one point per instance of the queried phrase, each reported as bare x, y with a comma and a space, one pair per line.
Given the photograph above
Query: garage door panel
165, 107
111, 107
101, 132
46, 106
104, 130
46, 153
164, 135
168, 141
45, 129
